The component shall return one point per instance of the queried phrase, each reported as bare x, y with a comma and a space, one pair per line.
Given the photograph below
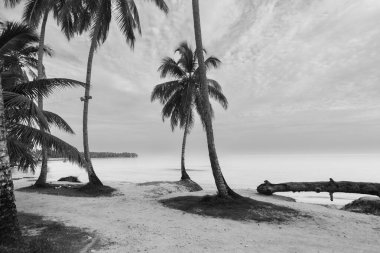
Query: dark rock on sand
70, 179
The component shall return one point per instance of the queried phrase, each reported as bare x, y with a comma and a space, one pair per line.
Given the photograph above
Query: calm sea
241, 171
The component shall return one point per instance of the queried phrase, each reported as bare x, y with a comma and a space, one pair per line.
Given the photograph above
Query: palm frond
161, 5
186, 60
190, 120
215, 84
127, 20
170, 67
101, 21
172, 109
34, 10
218, 96
164, 91
40, 138
16, 36
11, 3
30, 111
32, 50
71, 16
56, 120
43, 87
212, 62
135, 12
21, 155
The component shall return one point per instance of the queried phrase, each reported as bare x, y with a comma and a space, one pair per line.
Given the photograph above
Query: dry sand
134, 221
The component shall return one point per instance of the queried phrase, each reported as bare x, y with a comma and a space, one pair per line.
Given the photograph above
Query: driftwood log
331, 187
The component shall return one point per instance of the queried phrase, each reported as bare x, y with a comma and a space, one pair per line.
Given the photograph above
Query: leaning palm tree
223, 190
100, 12
182, 95
12, 38
66, 12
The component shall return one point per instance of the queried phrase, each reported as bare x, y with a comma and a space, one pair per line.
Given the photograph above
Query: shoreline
340, 199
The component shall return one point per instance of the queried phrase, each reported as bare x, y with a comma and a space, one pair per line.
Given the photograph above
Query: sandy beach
134, 221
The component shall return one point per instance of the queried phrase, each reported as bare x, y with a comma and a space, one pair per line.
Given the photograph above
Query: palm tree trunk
9, 227
184, 175
92, 177
41, 181
223, 190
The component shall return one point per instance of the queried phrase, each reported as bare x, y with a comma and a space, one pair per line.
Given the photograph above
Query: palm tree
12, 38
100, 12
22, 114
66, 12
180, 96
223, 189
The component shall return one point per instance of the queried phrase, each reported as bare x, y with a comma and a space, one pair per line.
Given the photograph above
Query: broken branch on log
331, 187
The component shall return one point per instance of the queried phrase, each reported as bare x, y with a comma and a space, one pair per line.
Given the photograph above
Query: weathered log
331, 187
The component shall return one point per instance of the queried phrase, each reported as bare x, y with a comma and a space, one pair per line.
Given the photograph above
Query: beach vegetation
36, 13
181, 96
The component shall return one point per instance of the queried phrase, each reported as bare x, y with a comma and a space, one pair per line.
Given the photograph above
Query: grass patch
367, 205
242, 209
43, 236
71, 190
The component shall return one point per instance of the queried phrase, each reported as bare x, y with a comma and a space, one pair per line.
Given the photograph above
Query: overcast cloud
299, 75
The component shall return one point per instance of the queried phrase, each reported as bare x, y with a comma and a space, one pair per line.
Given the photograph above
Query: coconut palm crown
180, 96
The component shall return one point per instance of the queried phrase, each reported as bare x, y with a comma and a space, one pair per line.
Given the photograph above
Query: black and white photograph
186, 126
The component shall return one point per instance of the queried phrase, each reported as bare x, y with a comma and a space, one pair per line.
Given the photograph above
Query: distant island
53, 154
112, 155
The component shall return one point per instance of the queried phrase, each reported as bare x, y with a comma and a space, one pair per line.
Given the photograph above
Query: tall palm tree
67, 13
224, 190
182, 95
12, 38
100, 14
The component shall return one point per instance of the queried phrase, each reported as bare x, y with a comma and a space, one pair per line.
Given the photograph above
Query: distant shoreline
53, 157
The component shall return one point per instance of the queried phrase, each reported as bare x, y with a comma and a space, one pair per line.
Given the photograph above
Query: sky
300, 76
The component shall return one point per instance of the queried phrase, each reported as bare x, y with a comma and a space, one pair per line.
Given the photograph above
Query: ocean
240, 171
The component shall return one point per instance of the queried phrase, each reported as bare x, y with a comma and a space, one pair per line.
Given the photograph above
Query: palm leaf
127, 20
161, 5
21, 155
212, 61
43, 87
57, 121
215, 84
101, 21
164, 91
170, 67
218, 96
186, 60
16, 36
25, 109
38, 137
34, 11
11, 3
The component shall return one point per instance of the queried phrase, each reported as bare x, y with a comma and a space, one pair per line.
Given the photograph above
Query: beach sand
134, 221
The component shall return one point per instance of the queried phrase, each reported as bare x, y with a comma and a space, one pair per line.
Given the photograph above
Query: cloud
298, 75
